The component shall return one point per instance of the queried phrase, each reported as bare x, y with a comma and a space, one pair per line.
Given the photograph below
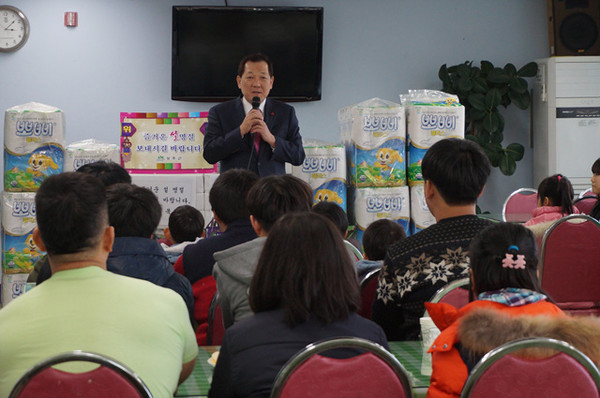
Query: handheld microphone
255, 102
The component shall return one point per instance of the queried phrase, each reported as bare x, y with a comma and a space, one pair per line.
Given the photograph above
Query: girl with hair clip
503, 259
555, 200
304, 290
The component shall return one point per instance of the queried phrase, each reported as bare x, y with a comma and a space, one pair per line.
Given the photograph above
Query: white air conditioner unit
566, 119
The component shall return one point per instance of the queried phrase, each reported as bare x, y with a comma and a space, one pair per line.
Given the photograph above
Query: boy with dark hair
270, 198
227, 199
84, 307
455, 172
186, 226
377, 238
134, 213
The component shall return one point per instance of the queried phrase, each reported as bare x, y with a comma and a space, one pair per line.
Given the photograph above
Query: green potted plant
482, 90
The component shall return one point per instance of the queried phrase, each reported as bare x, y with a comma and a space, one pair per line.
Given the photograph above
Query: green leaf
515, 151
510, 69
463, 70
529, 70
477, 101
493, 98
488, 123
473, 138
465, 84
518, 85
475, 114
507, 165
494, 153
521, 101
496, 137
443, 74
486, 67
480, 85
498, 75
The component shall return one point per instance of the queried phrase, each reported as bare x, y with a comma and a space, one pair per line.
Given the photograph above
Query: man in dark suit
260, 139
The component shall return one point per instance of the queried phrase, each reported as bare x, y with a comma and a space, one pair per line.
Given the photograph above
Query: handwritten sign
172, 191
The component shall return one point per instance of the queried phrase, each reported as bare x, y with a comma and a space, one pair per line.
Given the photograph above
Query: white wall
118, 59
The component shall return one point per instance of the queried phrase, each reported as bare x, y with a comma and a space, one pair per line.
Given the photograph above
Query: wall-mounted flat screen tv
209, 42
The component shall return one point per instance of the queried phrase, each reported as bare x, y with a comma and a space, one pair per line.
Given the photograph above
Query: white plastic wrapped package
374, 133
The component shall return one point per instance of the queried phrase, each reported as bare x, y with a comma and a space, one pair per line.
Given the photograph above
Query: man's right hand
251, 119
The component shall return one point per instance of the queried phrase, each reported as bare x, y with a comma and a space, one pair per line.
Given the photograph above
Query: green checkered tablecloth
198, 383
409, 353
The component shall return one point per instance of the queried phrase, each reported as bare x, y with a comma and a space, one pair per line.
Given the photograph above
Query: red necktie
257, 141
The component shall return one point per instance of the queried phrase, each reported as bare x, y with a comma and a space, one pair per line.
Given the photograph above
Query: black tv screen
209, 42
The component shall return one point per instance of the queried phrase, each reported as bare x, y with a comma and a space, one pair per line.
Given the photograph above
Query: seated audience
303, 291
84, 307
270, 198
455, 172
109, 173
378, 236
227, 199
186, 226
338, 216
504, 279
134, 213
555, 200
596, 188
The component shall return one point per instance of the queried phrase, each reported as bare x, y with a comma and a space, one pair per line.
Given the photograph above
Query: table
409, 353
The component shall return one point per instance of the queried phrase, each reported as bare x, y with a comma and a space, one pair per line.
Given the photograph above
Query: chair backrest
570, 262
585, 204
216, 330
368, 288
519, 205
374, 373
567, 372
455, 293
110, 379
587, 192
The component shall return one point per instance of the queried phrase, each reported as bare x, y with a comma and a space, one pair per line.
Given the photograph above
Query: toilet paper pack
431, 116
324, 169
13, 285
18, 212
420, 216
374, 133
33, 145
19, 253
372, 204
18, 221
89, 151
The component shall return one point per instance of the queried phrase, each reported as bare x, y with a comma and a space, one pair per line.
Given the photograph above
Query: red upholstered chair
587, 192
216, 330
585, 204
110, 379
455, 293
567, 373
368, 288
570, 264
519, 205
374, 373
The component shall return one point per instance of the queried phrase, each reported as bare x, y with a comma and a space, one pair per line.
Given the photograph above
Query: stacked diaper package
431, 116
83, 152
374, 135
34, 141
324, 169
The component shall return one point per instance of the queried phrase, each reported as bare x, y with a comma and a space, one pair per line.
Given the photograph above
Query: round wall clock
14, 28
